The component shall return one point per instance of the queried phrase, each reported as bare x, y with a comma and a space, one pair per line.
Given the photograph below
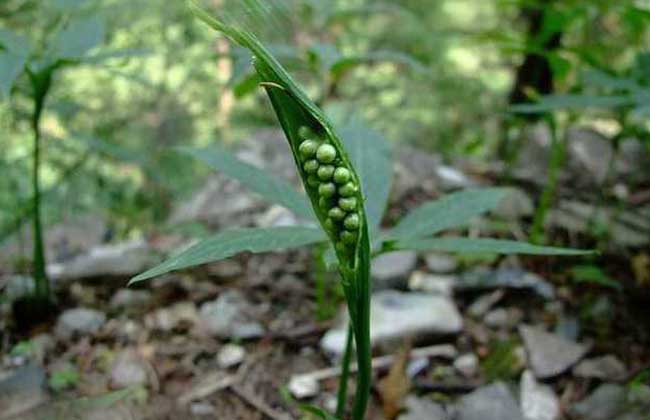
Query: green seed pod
308, 148
348, 204
327, 190
325, 203
325, 172
348, 190
351, 222
306, 132
336, 213
326, 153
312, 181
341, 175
311, 166
329, 225
348, 238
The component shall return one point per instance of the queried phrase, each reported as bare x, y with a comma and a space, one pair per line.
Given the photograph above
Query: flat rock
606, 402
230, 355
467, 364
440, 263
120, 259
79, 321
491, 402
128, 298
21, 390
538, 401
590, 152
395, 315
442, 284
484, 303
606, 367
128, 369
483, 278
514, 205
548, 354
392, 269
422, 409
181, 315
230, 316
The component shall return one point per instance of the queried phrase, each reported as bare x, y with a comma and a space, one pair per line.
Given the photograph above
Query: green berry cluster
329, 178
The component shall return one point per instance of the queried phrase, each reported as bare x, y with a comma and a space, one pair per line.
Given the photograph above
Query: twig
258, 403
208, 386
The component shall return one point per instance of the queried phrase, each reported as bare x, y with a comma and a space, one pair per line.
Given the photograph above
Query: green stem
537, 235
341, 396
364, 352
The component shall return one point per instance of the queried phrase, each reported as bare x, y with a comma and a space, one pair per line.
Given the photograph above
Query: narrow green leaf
76, 39
345, 63
484, 245
558, 102
370, 153
317, 411
258, 180
11, 65
15, 43
451, 211
231, 242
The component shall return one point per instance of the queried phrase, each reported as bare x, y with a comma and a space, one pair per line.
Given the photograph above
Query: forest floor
480, 337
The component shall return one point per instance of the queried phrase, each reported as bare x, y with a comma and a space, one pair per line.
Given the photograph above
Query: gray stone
79, 321
303, 386
442, 284
483, 278
533, 155
606, 402
503, 318
128, 369
548, 354
16, 287
120, 259
514, 205
276, 216
467, 364
633, 157
230, 355
484, 303
129, 298
440, 263
451, 178
395, 315
590, 152
179, 315
21, 389
229, 316
392, 269
605, 367
422, 409
538, 401
491, 402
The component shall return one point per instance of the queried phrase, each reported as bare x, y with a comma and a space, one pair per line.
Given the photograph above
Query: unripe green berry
341, 175
341, 247
351, 222
326, 153
348, 190
306, 132
308, 148
348, 238
312, 181
311, 166
325, 203
327, 189
336, 213
330, 226
348, 204
325, 172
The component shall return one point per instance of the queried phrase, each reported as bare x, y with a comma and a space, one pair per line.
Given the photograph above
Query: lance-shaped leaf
76, 39
551, 103
11, 65
451, 211
258, 180
231, 242
483, 246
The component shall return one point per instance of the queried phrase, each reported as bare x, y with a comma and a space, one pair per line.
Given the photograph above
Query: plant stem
41, 84
341, 396
537, 235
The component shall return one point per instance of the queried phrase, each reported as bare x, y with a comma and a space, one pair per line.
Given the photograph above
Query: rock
128, 369
181, 315
514, 205
276, 216
467, 364
538, 401
229, 316
484, 303
451, 178
225, 268
79, 321
121, 259
392, 269
396, 315
303, 386
16, 287
605, 367
491, 402
632, 157
606, 402
590, 152
513, 278
532, 159
440, 263
202, 409
129, 298
432, 283
422, 409
230, 355
548, 354
414, 170
21, 389
503, 318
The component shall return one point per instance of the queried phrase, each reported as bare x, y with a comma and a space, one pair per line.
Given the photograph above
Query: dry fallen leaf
396, 385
